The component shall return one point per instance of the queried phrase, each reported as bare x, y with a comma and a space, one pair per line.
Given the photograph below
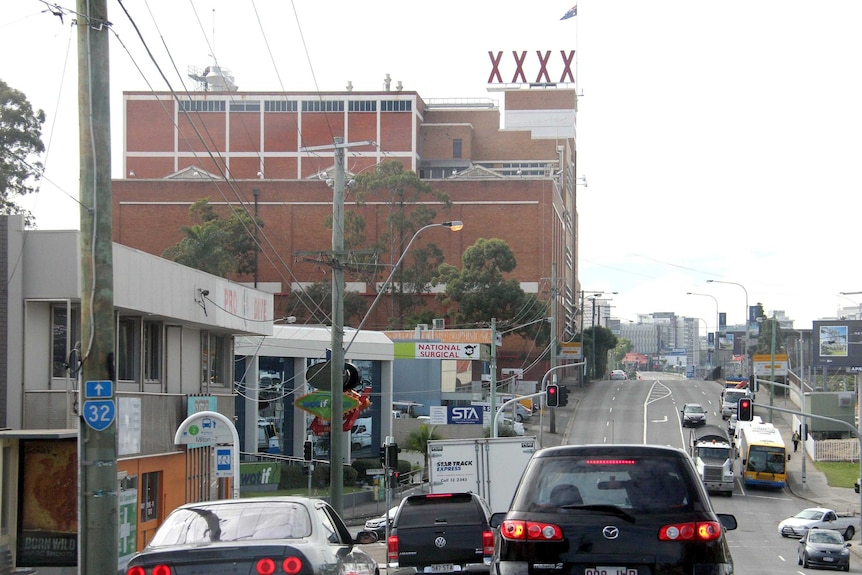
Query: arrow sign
97, 389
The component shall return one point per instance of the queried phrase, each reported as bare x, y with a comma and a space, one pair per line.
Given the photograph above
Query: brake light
610, 462
435, 495
699, 531
157, 570
530, 530
487, 542
292, 565
265, 566
392, 549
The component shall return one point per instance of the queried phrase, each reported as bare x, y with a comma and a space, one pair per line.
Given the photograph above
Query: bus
763, 456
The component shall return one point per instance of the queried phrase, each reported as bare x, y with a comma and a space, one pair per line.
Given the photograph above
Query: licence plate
610, 571
828, 559
442, 568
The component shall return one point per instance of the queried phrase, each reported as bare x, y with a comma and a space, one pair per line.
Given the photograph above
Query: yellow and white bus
763, 456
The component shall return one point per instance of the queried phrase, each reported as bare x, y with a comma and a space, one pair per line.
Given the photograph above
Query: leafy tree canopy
479, 291
409, 204
223, 246
20, 141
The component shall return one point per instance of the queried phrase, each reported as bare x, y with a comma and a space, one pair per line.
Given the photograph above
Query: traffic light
744, 410
392, 455
552, 395
563, 400
383, 455
306, 451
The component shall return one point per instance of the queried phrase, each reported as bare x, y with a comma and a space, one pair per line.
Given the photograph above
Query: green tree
417, 440
479, 290
224, 246
20, 141
618, 353
408, 203
597, 342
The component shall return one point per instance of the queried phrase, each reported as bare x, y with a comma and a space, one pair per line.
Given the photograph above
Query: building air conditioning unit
439, 323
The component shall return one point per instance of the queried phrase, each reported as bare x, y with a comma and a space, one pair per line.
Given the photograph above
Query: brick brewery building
509, 170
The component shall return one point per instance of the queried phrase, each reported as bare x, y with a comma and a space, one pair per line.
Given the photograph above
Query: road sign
375, 471
98, 389
99, 414
224, 459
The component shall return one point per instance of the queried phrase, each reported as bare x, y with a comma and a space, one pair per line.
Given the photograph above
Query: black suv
441, 533
616, 509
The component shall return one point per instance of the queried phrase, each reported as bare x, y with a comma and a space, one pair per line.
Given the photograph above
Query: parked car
378, 524
692, 415
824, 548
618, 374
611, 509
517, 426
255, 535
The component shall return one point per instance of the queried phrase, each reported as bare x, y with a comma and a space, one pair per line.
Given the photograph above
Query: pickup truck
441, 533
819, 518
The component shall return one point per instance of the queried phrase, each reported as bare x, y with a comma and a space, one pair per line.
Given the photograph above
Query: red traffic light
744, 410
552, 395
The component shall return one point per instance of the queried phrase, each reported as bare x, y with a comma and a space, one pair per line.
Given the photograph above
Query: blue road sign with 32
99, 414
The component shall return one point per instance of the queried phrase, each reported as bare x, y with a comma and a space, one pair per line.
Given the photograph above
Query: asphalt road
647, 411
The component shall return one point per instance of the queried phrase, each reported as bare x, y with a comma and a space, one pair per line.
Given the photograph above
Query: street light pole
717, 313
745, 359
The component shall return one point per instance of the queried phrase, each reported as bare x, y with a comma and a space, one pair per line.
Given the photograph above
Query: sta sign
465, 414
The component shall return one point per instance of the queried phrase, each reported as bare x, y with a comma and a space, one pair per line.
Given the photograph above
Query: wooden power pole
97, 428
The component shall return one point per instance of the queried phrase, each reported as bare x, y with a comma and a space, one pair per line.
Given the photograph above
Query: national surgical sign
429, 350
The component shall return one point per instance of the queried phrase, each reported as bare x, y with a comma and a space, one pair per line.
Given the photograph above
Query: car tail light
530, 530
700, 531
157, 570
487, 542
265, 566
392, 549
292, 565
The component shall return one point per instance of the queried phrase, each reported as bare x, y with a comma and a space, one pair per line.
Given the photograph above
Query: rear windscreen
427, 511
649, 484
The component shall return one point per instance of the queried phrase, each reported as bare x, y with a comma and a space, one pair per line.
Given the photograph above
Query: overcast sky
719, 140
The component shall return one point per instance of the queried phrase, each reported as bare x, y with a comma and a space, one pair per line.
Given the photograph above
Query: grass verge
839, 473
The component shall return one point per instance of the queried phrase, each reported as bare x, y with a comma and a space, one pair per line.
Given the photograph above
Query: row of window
141, 354
292, 105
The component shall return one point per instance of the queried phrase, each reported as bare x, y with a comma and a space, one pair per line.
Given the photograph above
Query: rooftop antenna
213, 77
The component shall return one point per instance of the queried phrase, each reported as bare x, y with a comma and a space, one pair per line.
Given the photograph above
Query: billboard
838, 344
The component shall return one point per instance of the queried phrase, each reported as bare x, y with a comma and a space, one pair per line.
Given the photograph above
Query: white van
360, 433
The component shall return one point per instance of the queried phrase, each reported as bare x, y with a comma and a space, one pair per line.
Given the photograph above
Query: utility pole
552, 419
336, 435
492, 395
336, 371
98, 536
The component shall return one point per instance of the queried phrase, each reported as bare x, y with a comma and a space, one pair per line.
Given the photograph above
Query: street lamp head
709, 281
454, 225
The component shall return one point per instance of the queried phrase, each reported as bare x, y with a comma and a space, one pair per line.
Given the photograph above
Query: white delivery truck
488, 467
